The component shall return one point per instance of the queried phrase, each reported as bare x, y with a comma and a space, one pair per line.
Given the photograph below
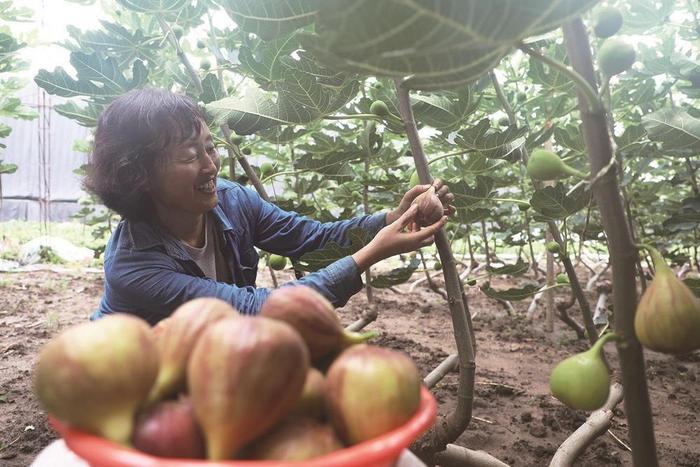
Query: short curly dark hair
134, 134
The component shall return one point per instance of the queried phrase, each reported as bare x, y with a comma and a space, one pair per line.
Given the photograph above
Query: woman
186, 234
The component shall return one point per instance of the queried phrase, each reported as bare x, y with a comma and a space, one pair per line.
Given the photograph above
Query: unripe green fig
608, 22
503, 121
523, 207
562, 278
247, 151
94, 376
546, 165
582, 381
277, 262
370, 391
178, 31
521, 97
471, 282
205, 64
201, 44
379, 108
615, 56
266, 168
437, 266
553, 247
244, 375
668, 314
176, 341
237, 140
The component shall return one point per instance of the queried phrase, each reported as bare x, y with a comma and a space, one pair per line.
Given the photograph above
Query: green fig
95, 376
616, 56
553, 247
437, 265
379, 108
205, 64
370, 391
314, 318
201, 44
562, 278
247, 151
266, 168
582, 381
521, 97
471, 282
503, 121
523, 207
178, 31
277, 262
546, 165
608, 22
668, 314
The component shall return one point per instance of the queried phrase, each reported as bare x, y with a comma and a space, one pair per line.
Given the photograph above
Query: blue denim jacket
149, 273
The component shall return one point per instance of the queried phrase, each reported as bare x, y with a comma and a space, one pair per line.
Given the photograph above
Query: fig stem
573, 172
597, 348
359, 337
656, 258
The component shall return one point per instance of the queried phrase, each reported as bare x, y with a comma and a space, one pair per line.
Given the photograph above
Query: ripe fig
311, 403
277, 262
616, 56
169, 429
177, 340
370, 391
295, 440
668, 314
430, 208
379, 108
545, 165
503, 121
313, 317
95, 375
608, 22
582, 381
244, 375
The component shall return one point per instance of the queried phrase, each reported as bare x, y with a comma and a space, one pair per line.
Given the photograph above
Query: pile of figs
210, 383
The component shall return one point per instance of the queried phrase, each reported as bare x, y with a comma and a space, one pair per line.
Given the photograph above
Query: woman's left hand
442, 190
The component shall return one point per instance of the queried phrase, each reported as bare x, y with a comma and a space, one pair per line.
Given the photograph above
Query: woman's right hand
401, 236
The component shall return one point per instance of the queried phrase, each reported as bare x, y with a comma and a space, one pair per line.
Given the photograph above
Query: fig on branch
371, 390
94, 376
503, 121
668, 314
523, 207
177, 339
277, 262
437, 266
521, 97
205, 64
247, 151
430, 208
545, 165
201, 44
178, 31
379, 108
562, 278
266, 168
169, 429
244, 375
553, 247
295, 440
615, 56
313, 317
608, 22
582, 381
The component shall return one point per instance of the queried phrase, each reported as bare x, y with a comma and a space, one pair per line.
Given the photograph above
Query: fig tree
379, 108
546, 165
615, 56
582, 381
608, 22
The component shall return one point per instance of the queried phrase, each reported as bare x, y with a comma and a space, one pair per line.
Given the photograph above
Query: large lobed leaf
436, 44
677, 131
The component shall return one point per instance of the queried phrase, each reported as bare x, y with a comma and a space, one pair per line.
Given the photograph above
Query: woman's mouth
207, 187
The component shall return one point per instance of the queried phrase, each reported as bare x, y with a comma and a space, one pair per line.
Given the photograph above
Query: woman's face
186, 182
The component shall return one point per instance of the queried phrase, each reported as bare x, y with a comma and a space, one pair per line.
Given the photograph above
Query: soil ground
514, 416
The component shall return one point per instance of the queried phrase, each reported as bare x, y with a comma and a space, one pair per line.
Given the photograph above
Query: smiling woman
187, 234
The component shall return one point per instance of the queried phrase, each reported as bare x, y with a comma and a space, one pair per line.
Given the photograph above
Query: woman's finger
407, 217
443, 191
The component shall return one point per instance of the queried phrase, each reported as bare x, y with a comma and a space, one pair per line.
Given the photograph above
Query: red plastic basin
378, 452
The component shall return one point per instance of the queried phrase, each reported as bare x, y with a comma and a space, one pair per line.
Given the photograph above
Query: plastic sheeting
43, 151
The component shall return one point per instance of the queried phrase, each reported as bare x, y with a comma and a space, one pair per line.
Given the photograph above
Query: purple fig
169, 429
244, 375
296, 439
313, 317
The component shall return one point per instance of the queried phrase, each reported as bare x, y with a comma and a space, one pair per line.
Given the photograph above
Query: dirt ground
514, 416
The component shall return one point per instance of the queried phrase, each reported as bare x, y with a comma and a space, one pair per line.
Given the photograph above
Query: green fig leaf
675, 129
512, 295
517, 269
552, 202
318, 259
396, 276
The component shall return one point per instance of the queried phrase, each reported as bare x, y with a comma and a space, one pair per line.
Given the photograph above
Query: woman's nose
210, 162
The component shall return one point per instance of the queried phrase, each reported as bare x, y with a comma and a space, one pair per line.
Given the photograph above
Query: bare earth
515, 417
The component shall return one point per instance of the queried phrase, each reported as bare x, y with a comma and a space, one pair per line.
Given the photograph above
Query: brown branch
447, 429
623, 254
458, 456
